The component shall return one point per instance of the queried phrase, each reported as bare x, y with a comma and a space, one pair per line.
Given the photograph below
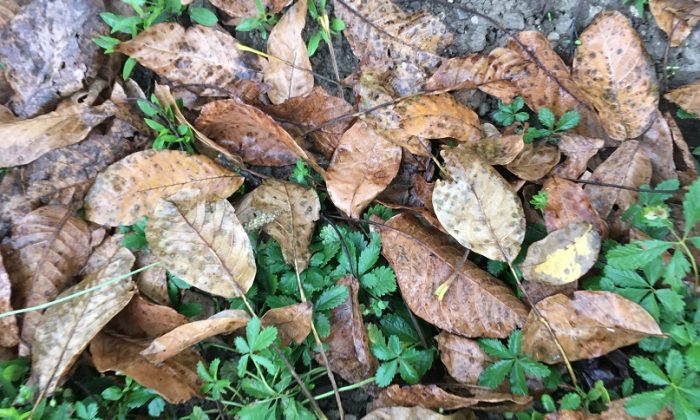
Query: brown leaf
462, 357
348, 344
589, 325
14, 202
129, 188
683, 158
143, 319
204, 244
615, 411
363, 165
26, 140
292, 77
285, 211
567, 204
475, 305
67, 328
187, 335
310, 111
240, 10
48, 52
578, 151
497, 149
434, 397
293, 322
9, 334
615, 73
535, 161
686, 97
676, 18
152, 283
102, 253
477, 207
657, 144
414, 413
198, 56
627, 166
176, 379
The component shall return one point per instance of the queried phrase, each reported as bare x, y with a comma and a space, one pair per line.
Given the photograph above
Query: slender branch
621, 187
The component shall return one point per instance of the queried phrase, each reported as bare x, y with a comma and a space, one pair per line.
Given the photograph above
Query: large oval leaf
478, 207
462, 357
204, 244
129, 189
567, 203
534, 161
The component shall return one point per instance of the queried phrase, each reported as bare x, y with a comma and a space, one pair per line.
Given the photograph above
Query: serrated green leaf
637, 254
385, 281
495, 348
386, 372
535, 369
255, 411
493, 376
678, 267
568, 121
514, 342
670, 300
265, 362
393, 324
113, 393
256, 388
203, 16
331, 298
548, 403
546, 118
691, 206
322, 324
518, 383
408, 372
647, 404
624, 278
265, 339
570, 401
675, 366
368, 257
649, 371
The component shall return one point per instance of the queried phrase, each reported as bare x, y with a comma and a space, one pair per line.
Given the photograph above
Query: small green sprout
263, 22
328, 26
550, 125
508, 114
539, 200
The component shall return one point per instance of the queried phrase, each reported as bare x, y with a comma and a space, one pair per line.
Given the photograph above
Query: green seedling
551, 126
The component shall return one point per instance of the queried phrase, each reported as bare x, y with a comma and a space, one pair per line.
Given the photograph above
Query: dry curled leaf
497, 149
563, 256
475, 305
203, 243
348, 344
9, 334
534, 161
676, 18
187, 335
617, 76
176, 379
434, 397
24, 141
615, 411
239, 10
143, 319
415, 413
128, 189
153, 282
478, 207
567, 203
657, 144
686, 97
67, 328
363, 165
292, 76
589, 325
293, 322
285, 211
462, 357
683, 158
578, 151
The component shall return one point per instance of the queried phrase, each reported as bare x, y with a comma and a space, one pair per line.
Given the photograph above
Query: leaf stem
346, 388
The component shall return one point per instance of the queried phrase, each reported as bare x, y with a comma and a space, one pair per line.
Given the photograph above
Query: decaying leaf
48, 52
676, 18
475, 305
462, 357
9, 334
683, 158
348, 344
589, 325
657, 144
617, 76
197, 55
363, 165
578, 151
497, 149
414, 413
285, 211
686, 97
293, 322
67, 328
204, 244
240, 10
152, 283
615, 411
563, 256
187, 335
478, 207
143, 319
567, 204
291, 77
176, 379
26, 140
434, 397
534, 161
128, 189
102, 253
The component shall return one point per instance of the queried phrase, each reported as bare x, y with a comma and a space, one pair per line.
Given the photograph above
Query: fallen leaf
9, 334
26, 140
686, 97
348, 344
197, 55
657, 144
475, 305
152, 283
497, 149
292, 76
14, 202
293, 322
293, 210
187, 335
462, 357
129, 188
478, 208
240, 10
537, 291
204, 244
102, 253
48, 52
628, 166
589, 325
143, 319
124, 96
414, 413
567, 204
617, 76
615, 411
8, 9
535, 161
363, 165
676, 18
683, 158
176, 379
578, 151
67, 328
434, 397
563, 256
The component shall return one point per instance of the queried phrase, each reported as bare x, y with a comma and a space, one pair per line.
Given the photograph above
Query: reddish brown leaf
413, 413
683, 158
657, 144
567, 203
293, 322
534, 161
153, 282
578, 151
143, 319
686, 97
433, 397
462, 357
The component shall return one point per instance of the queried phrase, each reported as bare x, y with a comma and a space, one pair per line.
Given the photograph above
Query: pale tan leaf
26, 140
293, 322
497, 149
9, 334
415, 413
617, 76
176, 379
534, 161
143, 319
187, 335
363, 165
67, 328
239, 10
204, 244
578, 151
153, 282
128, 189
475, 305
567, 203
462, 357
676, 18
293, 210
434, 397
686, 97
589, 325
657, 144
478, 207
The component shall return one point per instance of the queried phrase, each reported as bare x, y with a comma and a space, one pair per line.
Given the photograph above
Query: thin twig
621, 187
